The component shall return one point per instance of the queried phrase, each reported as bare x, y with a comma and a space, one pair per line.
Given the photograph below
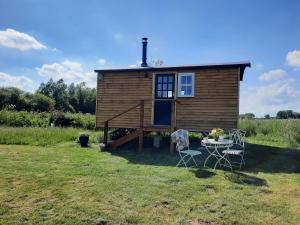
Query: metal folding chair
181, 138
238, 148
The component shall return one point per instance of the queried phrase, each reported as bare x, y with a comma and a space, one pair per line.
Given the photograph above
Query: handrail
141, 104
145, 100
125, 111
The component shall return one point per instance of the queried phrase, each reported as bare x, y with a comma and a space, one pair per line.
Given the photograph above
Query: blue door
164, 94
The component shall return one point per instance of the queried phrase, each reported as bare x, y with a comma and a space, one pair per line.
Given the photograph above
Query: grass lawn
65, 184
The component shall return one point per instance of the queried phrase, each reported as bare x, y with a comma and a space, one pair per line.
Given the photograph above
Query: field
46, 178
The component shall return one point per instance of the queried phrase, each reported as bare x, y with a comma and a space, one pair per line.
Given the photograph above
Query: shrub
59, 119
44, 119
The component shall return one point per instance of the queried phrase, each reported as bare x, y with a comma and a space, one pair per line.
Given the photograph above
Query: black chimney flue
144, 59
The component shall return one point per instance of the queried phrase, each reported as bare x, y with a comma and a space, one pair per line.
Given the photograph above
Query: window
186, 84
164, 85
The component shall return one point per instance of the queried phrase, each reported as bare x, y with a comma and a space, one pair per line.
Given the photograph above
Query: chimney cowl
144, 56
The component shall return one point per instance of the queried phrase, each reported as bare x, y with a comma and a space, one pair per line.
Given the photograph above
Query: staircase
123, 136
138, 133
124, 139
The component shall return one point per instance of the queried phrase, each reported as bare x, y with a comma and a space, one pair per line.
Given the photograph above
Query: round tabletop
219, 142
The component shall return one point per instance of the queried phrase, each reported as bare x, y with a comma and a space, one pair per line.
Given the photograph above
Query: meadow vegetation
44, 119
46, 178
282, 132
65, 184
43, 136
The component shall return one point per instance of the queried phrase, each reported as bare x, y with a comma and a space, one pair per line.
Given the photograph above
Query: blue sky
69, 39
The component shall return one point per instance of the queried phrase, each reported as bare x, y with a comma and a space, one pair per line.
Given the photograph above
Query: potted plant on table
84, 139
217, 133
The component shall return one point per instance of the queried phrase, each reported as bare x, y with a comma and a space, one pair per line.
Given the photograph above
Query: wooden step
124, 139
157, 128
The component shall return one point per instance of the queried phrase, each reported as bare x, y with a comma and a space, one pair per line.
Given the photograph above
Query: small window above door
186, 84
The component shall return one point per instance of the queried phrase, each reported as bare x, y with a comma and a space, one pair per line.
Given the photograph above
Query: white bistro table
213, 147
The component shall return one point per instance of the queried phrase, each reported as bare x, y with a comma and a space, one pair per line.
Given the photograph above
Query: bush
16, 119
44, 119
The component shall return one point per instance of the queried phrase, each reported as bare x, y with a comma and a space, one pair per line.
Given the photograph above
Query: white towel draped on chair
181, 138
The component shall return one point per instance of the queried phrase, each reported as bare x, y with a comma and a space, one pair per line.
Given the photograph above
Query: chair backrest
181, 138
238, 138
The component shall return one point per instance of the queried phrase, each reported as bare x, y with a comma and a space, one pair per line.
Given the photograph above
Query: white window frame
179, 85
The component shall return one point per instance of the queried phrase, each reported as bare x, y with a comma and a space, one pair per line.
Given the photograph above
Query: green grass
274, 131
42, 136
66, 184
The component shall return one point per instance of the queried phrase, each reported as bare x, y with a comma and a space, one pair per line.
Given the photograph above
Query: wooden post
172, 126
105, 134
141, 134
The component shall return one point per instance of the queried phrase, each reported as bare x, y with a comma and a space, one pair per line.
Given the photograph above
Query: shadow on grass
241, 178
202, 173
258, 158
262, 158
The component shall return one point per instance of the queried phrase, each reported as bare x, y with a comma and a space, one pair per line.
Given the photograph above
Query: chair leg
194, 161
179, 163
182, 161
206, 160
226, 161
242, 161
188, 159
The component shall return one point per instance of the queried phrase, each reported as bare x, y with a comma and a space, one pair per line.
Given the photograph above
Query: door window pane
165, 85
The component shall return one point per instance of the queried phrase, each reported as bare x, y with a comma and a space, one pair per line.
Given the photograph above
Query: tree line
50, 96
282, 114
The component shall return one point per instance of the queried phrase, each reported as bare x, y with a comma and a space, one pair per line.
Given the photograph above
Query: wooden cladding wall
216, 101
118, 92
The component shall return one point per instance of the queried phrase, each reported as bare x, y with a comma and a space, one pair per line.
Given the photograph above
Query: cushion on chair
232, 152
191, 152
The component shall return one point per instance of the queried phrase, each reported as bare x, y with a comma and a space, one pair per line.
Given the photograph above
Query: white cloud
118, 36
273, 75
102, 62
293, 59
22, 82
69, 71
270, 98
13, 39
